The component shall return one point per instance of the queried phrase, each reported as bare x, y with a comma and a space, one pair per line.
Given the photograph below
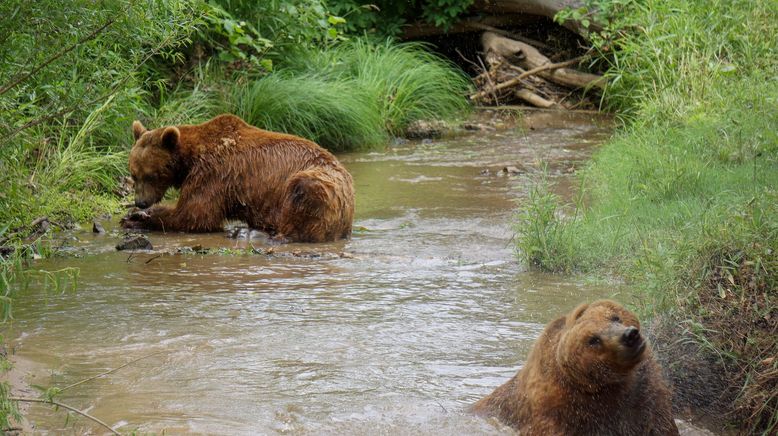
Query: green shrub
387, 18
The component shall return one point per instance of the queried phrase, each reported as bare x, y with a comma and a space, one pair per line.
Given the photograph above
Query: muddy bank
695, 376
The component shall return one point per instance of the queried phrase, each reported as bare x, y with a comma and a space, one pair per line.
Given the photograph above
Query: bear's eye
595, 340
615, 318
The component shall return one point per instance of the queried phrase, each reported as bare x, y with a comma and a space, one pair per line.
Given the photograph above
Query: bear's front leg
152, 218
191, 214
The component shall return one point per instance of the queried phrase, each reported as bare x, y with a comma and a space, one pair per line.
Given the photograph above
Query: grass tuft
336, 114
355, 95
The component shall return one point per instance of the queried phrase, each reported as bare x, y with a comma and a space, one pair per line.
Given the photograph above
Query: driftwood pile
516, 70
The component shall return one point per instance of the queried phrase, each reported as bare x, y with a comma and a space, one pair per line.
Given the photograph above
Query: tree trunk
544, 8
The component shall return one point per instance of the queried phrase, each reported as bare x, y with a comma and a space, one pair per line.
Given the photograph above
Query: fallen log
532, 58
534, 99
517, 80
423, 29
506, 13
505, 33
544, 8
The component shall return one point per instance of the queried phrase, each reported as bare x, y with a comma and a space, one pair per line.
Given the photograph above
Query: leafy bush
72, 79
283, 25
385, 17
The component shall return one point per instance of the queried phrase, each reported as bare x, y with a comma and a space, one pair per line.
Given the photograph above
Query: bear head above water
590, 372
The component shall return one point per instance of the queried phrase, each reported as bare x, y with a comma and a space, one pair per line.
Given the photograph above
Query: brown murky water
428, 312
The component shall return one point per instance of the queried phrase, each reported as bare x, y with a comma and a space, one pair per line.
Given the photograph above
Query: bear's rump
317, 205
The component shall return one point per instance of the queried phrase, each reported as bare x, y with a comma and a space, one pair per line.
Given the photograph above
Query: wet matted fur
226, 169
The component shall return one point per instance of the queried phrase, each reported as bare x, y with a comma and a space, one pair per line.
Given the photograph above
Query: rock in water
135, 242
97, 227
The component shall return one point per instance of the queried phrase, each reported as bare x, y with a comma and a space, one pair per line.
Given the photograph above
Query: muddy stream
395, 331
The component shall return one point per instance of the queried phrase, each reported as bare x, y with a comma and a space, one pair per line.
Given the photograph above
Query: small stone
97, 227
511, 170
135, 242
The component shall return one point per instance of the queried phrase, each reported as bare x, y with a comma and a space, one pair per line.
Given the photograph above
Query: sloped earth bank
396, 331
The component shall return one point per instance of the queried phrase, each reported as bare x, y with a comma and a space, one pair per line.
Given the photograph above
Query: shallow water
395, 331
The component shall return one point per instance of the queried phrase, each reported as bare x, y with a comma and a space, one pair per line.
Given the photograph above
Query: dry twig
64, 406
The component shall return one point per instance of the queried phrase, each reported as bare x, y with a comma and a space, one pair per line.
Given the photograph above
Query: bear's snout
141, 203
631, 337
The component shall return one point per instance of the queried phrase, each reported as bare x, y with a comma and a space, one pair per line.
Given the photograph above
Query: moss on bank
682, 201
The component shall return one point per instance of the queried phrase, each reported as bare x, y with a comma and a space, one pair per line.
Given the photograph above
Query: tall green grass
407, 80
71, 178
678, 54
681, 201
356, 94
337, 114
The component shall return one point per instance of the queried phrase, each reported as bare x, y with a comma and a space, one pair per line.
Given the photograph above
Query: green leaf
334, 20
266, 64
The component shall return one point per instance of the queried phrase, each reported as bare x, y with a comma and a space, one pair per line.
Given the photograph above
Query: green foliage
283, 25
72, 79
8, 410
386, 18
666, 57
189, 103
603, 20
55, 66
234, 39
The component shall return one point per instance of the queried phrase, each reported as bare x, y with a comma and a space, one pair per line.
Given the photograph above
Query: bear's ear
576, 313
170, 137
137, 129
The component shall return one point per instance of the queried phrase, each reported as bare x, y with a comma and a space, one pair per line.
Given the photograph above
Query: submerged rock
135, 242
425, 129
97, 227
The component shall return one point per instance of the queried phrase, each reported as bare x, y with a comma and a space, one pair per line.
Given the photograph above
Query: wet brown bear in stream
589, 373
226, 169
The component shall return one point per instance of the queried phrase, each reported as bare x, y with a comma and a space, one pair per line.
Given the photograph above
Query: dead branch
532, 58
110, 371
65, 406
534, 99
516, 80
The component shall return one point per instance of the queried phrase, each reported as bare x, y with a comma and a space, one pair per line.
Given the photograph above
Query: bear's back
228, 134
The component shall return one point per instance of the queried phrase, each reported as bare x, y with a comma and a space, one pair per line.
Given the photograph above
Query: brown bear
589, 373
226, 169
